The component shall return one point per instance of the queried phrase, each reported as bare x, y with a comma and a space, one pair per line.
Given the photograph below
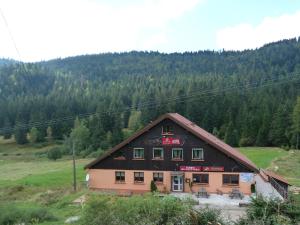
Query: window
231, 179
138, 177
120, 176
138, 153
158, 153
158, 177
200, 178
167, 129
198, 154
177, 153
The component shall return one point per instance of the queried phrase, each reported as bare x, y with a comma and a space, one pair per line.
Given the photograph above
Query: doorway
177, 183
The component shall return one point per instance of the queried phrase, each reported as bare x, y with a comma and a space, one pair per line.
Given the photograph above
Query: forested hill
245, 98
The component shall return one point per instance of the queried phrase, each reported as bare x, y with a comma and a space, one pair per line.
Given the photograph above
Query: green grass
284, 163
289, 167
28, 178
263, 156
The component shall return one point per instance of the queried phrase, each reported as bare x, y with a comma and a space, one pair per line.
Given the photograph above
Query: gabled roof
191, 127
266, 174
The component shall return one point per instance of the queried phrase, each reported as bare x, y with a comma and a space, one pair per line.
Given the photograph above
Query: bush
244, 142
137, 210
272, 212
206, 216
54, 153
153, 186
10, 214
96, 154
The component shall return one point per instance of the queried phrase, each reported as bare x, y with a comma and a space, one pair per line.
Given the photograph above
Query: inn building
177, 155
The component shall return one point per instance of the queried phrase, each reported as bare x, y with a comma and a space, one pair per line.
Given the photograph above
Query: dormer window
167, 130
138, 153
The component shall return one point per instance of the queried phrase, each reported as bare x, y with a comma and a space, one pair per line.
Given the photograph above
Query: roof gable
191, 127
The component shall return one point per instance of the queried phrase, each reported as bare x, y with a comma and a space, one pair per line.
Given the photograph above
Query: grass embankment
285, 163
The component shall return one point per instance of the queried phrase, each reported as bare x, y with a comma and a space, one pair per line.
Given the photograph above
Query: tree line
223, 92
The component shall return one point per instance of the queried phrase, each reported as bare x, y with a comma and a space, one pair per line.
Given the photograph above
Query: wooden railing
278, 187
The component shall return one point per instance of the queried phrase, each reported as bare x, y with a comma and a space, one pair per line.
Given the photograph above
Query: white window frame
173, 149
134, 151
197, 149
162, 155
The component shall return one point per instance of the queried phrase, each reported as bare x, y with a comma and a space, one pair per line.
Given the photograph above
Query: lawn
29, 179
285, 163
263, 156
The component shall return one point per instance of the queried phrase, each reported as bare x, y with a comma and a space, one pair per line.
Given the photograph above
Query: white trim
197, 149
134, 149
177, 149
158, 148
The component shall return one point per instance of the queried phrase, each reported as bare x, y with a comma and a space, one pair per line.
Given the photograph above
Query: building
175, 153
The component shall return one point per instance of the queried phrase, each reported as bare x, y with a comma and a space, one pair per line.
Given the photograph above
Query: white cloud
58, 28
247, 36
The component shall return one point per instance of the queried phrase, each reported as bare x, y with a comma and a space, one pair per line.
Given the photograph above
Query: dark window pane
200, 178
120, 176
158, 177
231, 179
138, 176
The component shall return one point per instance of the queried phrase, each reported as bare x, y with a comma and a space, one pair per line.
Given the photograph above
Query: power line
10, 34
154, 104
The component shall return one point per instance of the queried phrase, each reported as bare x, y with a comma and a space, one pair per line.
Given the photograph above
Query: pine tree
7, 129
33, 135
231, 135
296, 121
20, 134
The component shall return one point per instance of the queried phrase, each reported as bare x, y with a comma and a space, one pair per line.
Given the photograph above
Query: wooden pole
74, 166
297, 145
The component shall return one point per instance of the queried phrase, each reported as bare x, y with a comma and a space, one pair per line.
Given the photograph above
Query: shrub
153, 186
137, 210
206, 216
10, 214
54, 153
244, 142
272, 212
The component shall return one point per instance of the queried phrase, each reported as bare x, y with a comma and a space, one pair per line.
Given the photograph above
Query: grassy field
285, 163
262, 156
29, 179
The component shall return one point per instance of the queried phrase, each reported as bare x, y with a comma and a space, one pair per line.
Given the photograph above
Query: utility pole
74, 165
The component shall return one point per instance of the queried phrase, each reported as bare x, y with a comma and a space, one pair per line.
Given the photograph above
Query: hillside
246, 98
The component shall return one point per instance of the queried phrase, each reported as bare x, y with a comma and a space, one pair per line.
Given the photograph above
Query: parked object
202, 193
235, 193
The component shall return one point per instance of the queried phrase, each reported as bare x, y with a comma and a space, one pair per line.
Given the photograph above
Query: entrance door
177, 183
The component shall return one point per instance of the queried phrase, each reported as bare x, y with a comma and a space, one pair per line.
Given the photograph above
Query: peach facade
104, 179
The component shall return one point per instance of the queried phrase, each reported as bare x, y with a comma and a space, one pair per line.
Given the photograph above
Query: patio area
230, 209
215, 199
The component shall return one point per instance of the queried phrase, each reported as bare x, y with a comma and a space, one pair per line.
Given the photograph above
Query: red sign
190, 168
170, 141
213, 168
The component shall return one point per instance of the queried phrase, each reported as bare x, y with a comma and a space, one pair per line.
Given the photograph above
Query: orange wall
104, 179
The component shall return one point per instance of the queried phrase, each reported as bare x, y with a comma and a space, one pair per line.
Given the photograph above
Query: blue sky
48, 29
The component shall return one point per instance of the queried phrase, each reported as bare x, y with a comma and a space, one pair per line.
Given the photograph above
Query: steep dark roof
191, 127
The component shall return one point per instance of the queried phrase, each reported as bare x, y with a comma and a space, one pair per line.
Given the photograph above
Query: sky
35, 30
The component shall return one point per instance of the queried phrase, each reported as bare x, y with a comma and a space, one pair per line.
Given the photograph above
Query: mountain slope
246, 97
